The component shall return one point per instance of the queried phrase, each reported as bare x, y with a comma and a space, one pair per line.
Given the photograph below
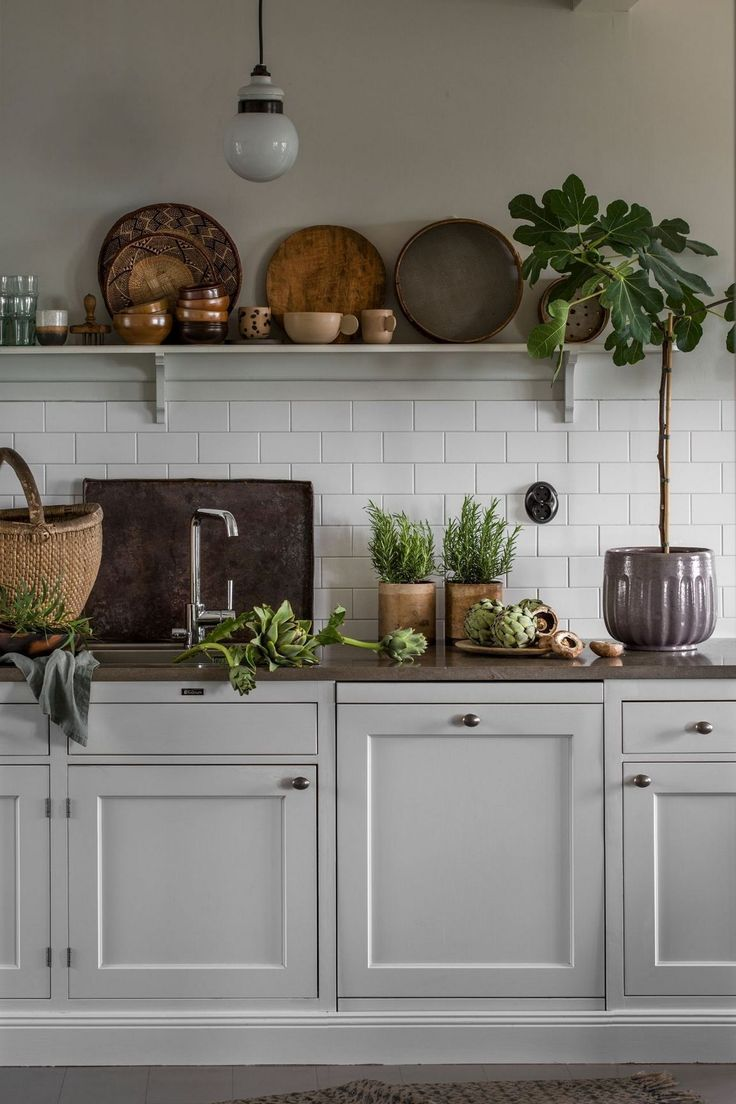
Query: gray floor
209, 1084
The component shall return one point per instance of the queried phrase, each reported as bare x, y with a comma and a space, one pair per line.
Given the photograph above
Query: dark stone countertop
150, 663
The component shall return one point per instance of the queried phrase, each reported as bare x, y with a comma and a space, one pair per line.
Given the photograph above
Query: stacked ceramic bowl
144, 323
202, 314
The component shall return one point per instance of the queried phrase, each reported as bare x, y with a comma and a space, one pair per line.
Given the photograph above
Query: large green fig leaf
624, 226
549, 336
688, 332
571, 204
632, 302
626, 349
543, 219
728, 314
669, 274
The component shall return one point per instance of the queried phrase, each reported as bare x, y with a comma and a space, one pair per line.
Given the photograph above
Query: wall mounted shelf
137, 366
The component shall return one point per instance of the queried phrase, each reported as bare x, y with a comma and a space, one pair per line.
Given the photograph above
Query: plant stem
373, 647
663, 449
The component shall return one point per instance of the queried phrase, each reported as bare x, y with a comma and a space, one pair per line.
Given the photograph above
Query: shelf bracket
569, 360
160, 366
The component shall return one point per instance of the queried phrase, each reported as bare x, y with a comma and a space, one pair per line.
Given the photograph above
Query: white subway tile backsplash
71, 416
259, 415
729, 478
228, 448
344, 509
729, 540
384, 415
9, 483
144, 471
261, 471
170, 448
198, 416
634, 478
291, 448
21, 417
351, 447
696, 414
644, 509
695, 478
628, 536
643, 446
575, 601
598, 509
104, 448
570, 478
714, 446
320, 415
326, 478
365, 603
567, 540
500, 479
413, 447
476, 447
333, 540
600, 447
631, 414
199, 471
503, 416
714, 509
347, 571
586, 571
376, 479
46, 448
445, 415
536, 446
66, 479
551, 417
445, 479
138, 417
728, 415
418, 507
532, 572
326, 598
697, 536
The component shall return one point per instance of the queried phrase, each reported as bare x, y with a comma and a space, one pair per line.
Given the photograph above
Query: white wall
406, 112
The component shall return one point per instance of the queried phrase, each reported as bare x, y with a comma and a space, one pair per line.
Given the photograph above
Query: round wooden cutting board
325, 268
512, 653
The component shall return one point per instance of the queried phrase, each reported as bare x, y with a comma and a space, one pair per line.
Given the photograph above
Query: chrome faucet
197, 616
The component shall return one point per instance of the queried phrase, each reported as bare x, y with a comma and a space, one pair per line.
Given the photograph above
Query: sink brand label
193, 691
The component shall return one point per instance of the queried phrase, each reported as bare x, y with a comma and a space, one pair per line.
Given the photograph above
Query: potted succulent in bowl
660, 598
403, 556
478, 548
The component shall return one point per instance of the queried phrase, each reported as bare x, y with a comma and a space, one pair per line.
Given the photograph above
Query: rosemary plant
402, 551
41, 608
479, 545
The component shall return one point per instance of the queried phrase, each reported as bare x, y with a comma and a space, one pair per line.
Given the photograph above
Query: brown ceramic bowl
184, 314
206, 291
203, 333
142, 329
154, 306
221, 303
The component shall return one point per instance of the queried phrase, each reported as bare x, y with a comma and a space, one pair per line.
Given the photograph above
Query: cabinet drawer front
201, 728
680, 726
23, 730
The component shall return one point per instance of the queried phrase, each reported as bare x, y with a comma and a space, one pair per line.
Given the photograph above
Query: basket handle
27, 482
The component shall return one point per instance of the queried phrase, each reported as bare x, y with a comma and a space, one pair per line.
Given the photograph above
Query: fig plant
628, 261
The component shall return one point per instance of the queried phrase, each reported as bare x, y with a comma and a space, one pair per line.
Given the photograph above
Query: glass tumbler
22, 319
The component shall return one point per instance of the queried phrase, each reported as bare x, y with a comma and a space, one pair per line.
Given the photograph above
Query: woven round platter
512, 653
459, 280
584, 323
156, 250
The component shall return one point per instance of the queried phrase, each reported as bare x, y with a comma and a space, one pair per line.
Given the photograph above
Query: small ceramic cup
52, 327
318, 327
377, 326
254, 323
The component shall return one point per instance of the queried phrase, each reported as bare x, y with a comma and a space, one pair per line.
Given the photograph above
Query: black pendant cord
260, 32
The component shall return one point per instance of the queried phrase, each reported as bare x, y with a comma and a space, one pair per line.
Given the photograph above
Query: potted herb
402, 552
659, 598
478, 548
35, 620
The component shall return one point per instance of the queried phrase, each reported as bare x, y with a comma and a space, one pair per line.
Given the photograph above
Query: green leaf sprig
41, 608
402, 551
280, 639
479, 545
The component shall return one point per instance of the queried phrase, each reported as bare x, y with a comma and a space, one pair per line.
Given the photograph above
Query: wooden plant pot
459, 597
407, 606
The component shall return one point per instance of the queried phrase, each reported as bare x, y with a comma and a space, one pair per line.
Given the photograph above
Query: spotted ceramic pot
254, 323
657, 601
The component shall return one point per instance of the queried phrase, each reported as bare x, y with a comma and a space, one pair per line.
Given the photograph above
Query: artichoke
480, 618
403, 645
280, 640
544, 616
512, 628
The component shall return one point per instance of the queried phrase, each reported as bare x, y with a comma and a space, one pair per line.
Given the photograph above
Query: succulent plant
480, 618
512, 628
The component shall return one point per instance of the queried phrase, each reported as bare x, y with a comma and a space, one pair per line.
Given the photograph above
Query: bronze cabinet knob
300, 783
704, 728
642, 780
471, 720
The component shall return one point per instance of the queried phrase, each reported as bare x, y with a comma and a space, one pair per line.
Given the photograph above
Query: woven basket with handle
39, 545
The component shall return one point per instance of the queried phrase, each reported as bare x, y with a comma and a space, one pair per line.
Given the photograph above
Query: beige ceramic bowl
142, 329
184, 314
318, 327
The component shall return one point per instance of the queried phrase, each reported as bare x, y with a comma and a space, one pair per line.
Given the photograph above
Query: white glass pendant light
261, 143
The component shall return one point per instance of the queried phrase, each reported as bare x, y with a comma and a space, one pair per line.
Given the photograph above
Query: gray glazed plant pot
657, 601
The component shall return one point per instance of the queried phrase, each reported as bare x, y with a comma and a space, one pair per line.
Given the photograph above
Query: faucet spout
197, 616
205, 511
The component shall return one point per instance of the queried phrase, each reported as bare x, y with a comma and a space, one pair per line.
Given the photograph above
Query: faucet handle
229, 601
179, 634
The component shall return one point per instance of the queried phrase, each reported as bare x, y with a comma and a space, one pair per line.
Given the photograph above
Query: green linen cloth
60, 683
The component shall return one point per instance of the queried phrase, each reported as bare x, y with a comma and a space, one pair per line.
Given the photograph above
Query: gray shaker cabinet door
470, 858
192, 881
680, 879
24, 882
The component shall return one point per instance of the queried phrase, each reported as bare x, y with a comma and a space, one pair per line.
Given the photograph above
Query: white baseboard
336, 1039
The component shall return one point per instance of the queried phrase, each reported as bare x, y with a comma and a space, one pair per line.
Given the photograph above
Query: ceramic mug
52, 327
377, 326
254, 323
318, 327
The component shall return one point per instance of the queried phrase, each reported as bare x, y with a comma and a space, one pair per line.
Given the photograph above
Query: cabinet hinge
47, 806
68, 957
68, 807
49, 956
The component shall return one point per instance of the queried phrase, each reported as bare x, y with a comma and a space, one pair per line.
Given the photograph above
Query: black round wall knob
541, 502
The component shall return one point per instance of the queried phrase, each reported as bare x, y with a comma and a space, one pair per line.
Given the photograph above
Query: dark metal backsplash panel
143, 584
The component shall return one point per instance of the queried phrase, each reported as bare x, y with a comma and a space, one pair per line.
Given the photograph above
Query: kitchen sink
143, 655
